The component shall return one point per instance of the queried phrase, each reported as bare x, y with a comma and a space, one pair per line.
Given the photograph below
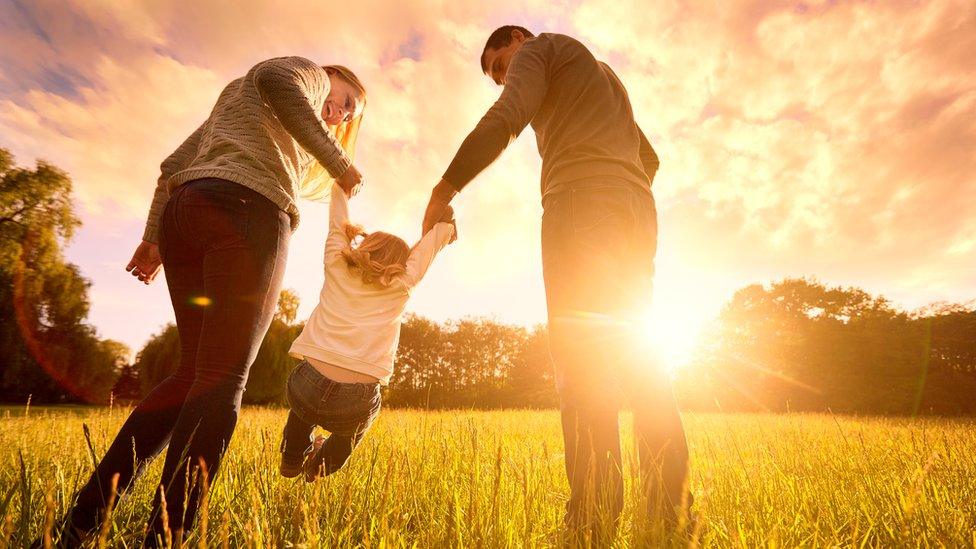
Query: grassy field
496, 479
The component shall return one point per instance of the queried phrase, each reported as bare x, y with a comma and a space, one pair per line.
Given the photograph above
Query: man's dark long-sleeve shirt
579, 110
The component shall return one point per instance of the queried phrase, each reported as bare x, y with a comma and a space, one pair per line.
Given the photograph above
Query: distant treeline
473, 363
793, 345
798, 345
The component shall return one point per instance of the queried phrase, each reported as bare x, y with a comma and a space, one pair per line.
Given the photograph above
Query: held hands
448, 217
145, 263
351, 181
439, 206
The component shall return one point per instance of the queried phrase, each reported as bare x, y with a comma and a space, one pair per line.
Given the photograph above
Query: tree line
460, 364
793, 345
802, 346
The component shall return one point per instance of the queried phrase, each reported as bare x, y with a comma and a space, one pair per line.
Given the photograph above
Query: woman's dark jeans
346, 410
598, 247
224, 248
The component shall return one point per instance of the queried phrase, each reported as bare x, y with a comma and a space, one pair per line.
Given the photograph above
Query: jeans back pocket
215, 217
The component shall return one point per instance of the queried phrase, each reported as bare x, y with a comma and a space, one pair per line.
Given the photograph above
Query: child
348, 343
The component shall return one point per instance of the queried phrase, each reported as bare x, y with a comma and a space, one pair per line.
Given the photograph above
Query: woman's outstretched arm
285, 84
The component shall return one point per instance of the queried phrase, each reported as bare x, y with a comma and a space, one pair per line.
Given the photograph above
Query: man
599, 237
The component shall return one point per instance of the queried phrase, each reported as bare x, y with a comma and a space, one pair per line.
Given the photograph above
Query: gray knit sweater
265, 132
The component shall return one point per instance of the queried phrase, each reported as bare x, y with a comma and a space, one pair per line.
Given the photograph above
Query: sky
823, 139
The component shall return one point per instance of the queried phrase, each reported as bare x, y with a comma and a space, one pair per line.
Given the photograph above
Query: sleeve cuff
447, 180
151, 234
338, 166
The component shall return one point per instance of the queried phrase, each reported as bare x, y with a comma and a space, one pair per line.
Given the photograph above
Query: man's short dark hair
501, 38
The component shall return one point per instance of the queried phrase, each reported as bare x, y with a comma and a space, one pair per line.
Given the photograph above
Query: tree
419, 365
126, 388
950, 364
266, 380
49, 351
469, 363
158, 358
800, 345
531, 381
288, 303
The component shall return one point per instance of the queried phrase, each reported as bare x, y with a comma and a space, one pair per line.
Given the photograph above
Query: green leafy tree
420, 364
158, 358
468, 363
950, 363
799, 345
531, 380
49, 351
266, 380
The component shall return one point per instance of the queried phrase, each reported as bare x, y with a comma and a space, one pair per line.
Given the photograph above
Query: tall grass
496, 479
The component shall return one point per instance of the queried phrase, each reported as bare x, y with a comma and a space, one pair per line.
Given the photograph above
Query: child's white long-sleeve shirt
356, 326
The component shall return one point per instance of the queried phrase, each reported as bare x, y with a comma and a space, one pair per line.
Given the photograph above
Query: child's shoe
313, 465
291, 467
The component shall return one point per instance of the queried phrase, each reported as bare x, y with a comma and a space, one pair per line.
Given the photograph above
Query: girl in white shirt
348, 344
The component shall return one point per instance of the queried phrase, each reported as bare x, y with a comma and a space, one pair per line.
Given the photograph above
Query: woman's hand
145, 263
351, 181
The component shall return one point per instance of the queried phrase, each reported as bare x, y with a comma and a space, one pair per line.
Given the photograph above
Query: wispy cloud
818, 138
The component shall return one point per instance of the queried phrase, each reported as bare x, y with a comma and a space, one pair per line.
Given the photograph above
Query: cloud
833, 135
809, 138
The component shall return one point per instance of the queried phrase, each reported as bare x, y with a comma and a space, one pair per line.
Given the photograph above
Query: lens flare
32, 333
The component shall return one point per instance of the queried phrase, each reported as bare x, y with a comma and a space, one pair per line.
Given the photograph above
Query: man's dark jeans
346, 410
224, 248
598, 247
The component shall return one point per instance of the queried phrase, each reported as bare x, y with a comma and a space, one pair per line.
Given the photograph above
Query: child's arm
338, 238
424, 252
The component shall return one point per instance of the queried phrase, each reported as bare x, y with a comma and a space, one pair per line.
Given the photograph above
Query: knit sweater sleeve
286, 85
179, 160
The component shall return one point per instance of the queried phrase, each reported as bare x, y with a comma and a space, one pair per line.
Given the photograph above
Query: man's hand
145, 263
438, 206
351, 181
448, 217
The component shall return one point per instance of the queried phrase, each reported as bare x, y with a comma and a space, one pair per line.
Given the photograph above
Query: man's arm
284, 84
648, 157
525, 88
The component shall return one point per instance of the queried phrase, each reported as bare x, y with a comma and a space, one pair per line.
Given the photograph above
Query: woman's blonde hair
379, 258
317, 183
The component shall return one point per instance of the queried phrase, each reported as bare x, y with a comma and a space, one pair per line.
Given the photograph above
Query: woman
220, 221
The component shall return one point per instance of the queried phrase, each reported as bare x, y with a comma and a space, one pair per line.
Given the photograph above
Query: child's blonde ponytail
379, 258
